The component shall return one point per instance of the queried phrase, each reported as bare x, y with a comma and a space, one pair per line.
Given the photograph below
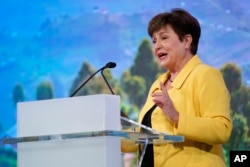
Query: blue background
49, 39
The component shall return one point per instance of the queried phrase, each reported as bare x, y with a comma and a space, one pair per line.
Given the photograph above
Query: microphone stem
107, 82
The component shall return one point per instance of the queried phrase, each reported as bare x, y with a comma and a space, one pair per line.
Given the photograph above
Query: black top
148, 159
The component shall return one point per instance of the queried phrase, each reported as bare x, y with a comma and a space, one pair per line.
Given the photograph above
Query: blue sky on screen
50, 39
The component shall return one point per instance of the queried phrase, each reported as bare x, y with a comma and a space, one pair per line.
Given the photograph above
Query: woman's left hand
163, 100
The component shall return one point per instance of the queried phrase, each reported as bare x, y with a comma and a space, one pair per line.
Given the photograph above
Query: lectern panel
87, 152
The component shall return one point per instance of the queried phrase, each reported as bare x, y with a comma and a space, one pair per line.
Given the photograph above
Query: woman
191, 98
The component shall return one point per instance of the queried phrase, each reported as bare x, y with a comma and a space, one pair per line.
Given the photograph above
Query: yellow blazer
200, 96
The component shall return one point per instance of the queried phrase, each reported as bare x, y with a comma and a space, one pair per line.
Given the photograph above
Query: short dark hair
181, 21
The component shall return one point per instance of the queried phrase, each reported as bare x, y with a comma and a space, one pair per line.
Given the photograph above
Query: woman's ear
188, 39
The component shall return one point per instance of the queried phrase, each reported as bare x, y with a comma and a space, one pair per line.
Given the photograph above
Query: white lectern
83, 131
68, 116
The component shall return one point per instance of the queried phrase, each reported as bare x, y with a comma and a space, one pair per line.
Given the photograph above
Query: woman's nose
157, 45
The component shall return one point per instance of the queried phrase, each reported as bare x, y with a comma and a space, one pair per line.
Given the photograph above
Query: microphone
124, 117
108, 65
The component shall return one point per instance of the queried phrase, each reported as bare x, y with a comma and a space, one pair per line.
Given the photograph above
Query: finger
156, 94
164, 90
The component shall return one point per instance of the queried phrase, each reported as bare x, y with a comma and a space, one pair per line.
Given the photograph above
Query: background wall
47, 45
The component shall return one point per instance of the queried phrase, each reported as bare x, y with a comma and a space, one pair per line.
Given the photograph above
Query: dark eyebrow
161, 33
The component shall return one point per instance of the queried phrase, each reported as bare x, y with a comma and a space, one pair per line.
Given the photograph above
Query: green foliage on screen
8, 157
45, 91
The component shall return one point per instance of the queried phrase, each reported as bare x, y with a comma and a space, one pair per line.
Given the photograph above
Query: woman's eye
164, 37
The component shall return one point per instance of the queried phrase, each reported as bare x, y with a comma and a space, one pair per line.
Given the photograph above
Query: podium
77, 131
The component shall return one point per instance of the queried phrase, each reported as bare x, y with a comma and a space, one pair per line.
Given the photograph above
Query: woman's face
169, 50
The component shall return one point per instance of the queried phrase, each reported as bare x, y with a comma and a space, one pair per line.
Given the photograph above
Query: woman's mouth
162, 55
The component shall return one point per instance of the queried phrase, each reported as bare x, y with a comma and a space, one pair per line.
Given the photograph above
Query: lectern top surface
149, 135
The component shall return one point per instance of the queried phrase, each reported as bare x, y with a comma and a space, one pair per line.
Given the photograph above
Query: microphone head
110, 65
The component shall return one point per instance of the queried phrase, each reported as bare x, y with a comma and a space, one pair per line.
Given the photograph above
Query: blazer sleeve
213, 125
